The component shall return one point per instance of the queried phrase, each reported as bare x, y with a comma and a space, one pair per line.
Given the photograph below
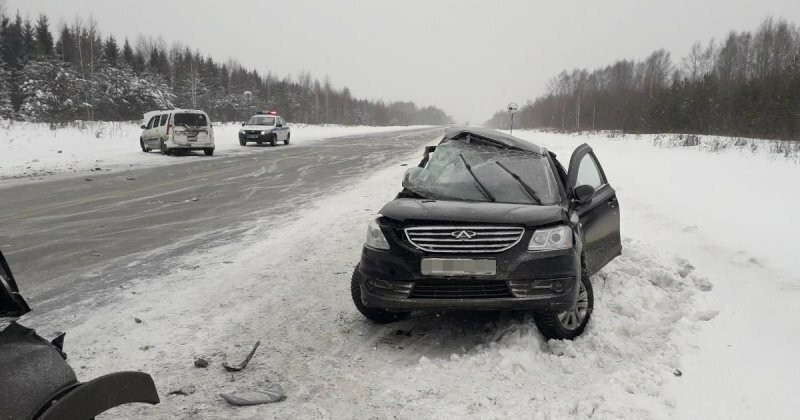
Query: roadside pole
512, 109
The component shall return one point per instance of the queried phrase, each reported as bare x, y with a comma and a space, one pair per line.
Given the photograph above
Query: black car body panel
393, 279
410, 210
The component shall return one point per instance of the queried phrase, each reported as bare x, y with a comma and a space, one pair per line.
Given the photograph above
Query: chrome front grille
464, 239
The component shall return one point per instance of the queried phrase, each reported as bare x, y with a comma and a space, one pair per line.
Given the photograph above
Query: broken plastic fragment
272, 393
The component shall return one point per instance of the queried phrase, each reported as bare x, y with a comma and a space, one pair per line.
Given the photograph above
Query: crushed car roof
492, 136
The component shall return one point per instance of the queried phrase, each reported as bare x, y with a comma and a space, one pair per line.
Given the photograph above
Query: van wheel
570, 324
273, 140
163, 147
286, 142
141, 144
376, 315
208, 152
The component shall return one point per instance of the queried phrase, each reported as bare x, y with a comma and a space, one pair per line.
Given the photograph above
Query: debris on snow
187, 390
271, 394
200, 362
242, 365
137, 320
677, 372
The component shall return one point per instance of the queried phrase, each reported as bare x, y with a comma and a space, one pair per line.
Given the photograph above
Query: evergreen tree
44, 40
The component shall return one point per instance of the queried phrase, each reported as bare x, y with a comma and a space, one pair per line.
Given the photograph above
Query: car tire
286, 142
208, 152
378, 316
568, 325
242, 142
141, 144
163, 147
273, 140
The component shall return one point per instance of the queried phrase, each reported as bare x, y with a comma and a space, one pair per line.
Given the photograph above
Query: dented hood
423, 210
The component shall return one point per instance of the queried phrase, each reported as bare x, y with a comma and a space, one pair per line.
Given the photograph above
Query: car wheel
163, 147
141, 144
273, 140
208, 152
570, 324
376, 315
286, 142
242, 142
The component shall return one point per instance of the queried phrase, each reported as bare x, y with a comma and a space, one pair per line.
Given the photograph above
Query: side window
282, 121
589, 174
164, 119
150, 124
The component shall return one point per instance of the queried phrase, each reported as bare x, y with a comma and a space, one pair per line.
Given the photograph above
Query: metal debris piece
271, 394
242, 365
677, 372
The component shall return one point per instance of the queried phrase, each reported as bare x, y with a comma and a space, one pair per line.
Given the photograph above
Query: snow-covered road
707, 284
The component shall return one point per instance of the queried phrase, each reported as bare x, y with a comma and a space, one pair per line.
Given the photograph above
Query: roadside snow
34, 151
697, 318
729, 212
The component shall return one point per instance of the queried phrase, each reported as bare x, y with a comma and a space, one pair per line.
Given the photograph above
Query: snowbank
32, 151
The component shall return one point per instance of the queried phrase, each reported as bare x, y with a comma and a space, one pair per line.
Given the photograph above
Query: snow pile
32, 150
617, 369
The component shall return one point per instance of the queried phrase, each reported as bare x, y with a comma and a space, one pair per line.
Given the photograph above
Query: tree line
82, 74
747, 85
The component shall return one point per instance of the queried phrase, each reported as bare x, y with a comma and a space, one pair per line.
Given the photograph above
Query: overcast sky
470, 58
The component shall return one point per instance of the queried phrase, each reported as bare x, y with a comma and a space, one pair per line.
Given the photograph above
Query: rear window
191, 120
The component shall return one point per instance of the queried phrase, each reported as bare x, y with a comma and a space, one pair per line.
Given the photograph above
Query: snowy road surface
701, 287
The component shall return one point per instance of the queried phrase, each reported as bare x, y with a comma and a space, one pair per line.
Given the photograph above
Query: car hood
258, 127
419, 210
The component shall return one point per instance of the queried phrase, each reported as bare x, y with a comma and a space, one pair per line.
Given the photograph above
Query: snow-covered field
33, 151
707, 286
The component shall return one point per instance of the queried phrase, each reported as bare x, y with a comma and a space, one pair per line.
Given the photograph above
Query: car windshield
191, 120
446, 175
261, 121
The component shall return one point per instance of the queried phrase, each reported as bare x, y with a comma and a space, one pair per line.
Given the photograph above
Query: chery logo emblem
464, 234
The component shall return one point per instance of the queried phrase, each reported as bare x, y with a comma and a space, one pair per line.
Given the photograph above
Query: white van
177, 130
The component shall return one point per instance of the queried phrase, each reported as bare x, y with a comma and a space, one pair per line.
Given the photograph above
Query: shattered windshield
261, 121
447, 176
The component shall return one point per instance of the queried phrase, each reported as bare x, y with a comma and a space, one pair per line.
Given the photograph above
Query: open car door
599, 217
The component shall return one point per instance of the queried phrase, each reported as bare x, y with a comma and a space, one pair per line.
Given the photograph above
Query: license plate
192, 138
252, 136
458, 267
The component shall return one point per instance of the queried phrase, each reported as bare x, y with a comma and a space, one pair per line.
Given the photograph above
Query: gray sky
469, 57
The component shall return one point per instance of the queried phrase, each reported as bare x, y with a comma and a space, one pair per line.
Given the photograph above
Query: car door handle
612, 202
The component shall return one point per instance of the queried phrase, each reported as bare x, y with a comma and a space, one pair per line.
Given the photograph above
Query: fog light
557, 286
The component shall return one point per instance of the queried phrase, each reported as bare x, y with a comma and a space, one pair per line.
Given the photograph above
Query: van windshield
446, 176
191, 120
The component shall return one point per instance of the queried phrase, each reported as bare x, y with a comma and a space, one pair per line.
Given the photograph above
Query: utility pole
512, 109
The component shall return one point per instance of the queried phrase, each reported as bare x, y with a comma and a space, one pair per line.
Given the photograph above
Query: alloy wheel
572, 320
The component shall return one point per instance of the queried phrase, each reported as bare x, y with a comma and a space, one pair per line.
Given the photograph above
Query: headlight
375, 238
263, 133
559, 237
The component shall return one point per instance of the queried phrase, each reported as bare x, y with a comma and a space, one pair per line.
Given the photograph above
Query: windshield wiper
477, 181
531, 192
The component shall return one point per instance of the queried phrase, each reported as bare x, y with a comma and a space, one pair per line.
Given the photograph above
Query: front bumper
392, 280
260, 137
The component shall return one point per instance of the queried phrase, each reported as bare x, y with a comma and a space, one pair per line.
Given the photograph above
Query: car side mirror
583, 194
143, 127
243, 124
278, 125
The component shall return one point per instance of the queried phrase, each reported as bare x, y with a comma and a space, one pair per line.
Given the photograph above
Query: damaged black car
488, 221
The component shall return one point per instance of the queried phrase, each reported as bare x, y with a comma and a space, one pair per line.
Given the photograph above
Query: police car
266, 127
